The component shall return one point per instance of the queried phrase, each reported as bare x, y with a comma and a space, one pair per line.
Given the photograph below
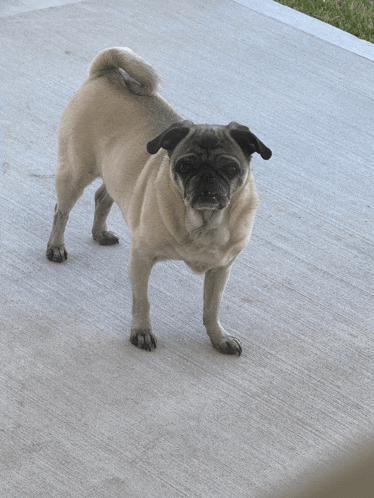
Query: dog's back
117, 106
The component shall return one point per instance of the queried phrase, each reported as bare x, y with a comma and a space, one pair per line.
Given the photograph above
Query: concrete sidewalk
86, 414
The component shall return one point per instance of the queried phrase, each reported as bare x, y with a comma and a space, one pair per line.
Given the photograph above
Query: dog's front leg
141, 329
214, 285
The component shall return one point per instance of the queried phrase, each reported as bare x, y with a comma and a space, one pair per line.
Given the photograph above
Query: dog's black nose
207, 181
207, 175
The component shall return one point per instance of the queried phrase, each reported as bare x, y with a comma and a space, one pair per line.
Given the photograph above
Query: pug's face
208, 168
209, 163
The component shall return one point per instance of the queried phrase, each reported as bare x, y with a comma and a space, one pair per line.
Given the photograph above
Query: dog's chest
208, 244
207, 257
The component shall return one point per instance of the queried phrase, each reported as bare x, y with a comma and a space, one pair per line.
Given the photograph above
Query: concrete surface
310, 25
86, 414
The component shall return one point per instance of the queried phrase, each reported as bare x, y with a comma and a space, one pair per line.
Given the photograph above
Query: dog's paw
105, 238
58, 254
143, 339
229, 345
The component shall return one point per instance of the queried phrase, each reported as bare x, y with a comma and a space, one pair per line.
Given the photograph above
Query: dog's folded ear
248, 142
170, 137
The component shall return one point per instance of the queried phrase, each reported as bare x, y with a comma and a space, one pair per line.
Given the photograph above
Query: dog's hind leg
103, 204
69, 189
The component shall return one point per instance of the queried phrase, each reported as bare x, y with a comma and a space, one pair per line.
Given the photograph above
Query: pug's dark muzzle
206, 191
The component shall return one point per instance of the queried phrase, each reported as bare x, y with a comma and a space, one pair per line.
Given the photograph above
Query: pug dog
185, 190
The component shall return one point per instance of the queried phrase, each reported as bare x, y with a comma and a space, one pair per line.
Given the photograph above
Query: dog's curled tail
141, 78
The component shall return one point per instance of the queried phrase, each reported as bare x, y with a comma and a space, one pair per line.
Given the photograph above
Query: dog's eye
231, 169
229, 166
185, 167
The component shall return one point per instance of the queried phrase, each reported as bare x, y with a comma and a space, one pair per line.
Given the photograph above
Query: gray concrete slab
12, 7
84, 413
312, 26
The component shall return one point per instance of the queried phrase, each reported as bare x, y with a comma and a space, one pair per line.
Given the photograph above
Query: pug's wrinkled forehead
207, 139
207, 143
232, 137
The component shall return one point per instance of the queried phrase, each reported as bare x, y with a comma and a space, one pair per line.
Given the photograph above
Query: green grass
354, 16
